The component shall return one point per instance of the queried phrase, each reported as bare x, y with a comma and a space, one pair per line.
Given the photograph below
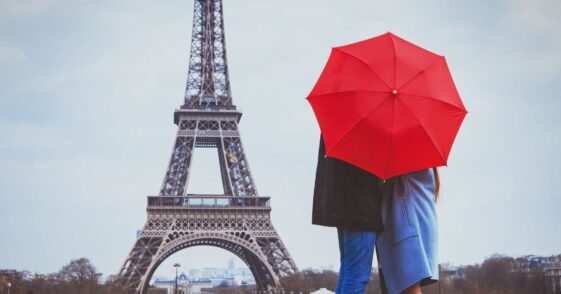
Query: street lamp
176, 266
9, 287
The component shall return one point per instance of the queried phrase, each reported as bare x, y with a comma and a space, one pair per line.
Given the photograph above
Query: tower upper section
208, 84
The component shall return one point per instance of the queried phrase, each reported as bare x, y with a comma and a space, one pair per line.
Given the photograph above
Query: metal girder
208, 83
220, 134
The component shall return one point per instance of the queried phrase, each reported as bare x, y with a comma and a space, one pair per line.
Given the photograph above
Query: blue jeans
356, 249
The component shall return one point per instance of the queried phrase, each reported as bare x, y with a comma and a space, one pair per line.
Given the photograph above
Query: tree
113, 285
78, 271
496, 273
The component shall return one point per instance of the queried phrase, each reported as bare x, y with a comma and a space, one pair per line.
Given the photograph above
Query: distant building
223, 282
194, 274
9, 272
208, 277
169, 284
210, 272
527, 262
553, 278
555, 260
451, 271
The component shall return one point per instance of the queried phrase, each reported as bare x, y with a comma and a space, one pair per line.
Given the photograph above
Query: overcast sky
88, 90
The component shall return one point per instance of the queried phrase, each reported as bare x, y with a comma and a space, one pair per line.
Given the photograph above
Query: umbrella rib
357, 123
420, 73
348, 91
394, 63
391, 140
425, 130
432, 98
365, 64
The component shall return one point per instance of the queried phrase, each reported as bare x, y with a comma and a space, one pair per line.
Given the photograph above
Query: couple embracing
397, 218
389, 112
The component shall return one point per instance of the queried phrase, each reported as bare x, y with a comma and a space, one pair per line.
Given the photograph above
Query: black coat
345, 195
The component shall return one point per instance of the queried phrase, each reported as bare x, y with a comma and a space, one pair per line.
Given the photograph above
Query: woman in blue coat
408, 246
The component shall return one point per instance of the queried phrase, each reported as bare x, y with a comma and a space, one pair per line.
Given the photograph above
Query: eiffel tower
238, 220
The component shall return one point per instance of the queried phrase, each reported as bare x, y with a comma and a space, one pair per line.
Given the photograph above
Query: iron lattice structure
208, 82
238, 220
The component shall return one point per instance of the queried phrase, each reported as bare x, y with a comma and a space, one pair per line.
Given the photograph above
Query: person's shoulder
424, 175
427, 172
420, 177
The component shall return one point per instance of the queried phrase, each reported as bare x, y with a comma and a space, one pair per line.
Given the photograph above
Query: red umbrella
387, 106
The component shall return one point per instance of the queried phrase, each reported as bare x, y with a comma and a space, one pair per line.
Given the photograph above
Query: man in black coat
349, 198
345, 195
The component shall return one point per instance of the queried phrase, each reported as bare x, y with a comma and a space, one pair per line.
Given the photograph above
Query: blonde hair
436, 184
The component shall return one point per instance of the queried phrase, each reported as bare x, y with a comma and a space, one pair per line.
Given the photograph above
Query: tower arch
262, 272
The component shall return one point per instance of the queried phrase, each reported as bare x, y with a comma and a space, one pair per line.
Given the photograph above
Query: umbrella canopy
387, 106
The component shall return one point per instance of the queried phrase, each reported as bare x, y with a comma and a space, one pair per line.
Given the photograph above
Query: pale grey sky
88, 89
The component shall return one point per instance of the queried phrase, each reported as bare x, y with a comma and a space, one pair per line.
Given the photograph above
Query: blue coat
408, 247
